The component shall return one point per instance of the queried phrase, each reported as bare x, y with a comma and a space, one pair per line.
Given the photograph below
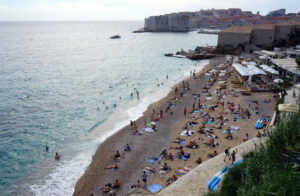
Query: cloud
123, 9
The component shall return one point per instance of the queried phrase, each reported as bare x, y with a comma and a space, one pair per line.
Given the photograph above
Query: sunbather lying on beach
111, 167
192, 144
178, 140
149, 169
137, 185
211, 155
171, 180
136, 132
176, 148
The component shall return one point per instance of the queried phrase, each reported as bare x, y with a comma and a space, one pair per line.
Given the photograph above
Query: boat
115, 37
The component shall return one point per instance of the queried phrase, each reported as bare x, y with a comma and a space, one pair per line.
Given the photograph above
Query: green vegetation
273, 169
298, 61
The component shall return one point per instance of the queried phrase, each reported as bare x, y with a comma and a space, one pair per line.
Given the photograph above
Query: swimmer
115, 105
106, 107
120, 97
47, 148
98, 108
103, 102
57, 156
167, 77
131, 94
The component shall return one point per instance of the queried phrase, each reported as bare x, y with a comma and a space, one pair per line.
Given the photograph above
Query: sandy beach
169, 127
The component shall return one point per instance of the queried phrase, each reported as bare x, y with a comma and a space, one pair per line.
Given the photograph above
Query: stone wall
171, 22
262, 37
282, 32
157, 23
233, 39
258, 35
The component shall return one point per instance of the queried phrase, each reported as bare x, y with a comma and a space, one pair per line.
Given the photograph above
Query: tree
298, 61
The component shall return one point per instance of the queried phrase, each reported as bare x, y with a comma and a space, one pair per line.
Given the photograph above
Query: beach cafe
287, 67
255, 78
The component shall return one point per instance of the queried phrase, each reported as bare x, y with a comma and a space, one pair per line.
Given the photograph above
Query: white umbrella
278, 80
297, 85
153, 123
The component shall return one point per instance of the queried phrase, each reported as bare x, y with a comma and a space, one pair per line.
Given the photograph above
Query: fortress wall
282, 31
263, 37
233, 38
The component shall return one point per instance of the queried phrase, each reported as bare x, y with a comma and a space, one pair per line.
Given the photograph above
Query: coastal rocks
200, 56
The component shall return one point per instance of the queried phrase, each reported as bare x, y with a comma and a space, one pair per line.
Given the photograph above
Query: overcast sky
126, 9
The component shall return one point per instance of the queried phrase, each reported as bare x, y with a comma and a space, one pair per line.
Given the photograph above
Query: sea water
53, 78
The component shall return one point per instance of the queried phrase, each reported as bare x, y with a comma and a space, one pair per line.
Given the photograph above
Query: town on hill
214, 18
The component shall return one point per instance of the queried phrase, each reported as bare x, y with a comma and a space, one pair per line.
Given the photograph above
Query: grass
268, 170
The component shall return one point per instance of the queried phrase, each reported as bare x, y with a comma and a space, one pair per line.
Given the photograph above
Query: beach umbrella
297, 85
153, 123
277, 81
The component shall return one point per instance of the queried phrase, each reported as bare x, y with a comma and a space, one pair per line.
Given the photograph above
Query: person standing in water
57, 156
47, 148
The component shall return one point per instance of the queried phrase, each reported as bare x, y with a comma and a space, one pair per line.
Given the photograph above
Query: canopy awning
241, 70
269, 69
255, 70
288, 107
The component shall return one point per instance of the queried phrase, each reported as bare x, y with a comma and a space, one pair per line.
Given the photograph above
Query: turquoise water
53, 78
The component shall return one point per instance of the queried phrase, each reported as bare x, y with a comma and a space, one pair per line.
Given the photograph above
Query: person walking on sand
184, 111
227, 153
144, 177
233, 155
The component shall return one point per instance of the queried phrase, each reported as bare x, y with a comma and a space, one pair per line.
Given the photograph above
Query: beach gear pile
262, 122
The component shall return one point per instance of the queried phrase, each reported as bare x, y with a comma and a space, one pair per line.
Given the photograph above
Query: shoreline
94, 176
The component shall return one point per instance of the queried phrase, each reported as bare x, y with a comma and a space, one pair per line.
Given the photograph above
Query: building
261, 35
280, 12
287, 67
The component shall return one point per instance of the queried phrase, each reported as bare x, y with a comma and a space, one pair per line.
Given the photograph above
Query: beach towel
149, 124
154, 188
173, 106
152, 159
181, 142
196, 110
191, 125
234, 128
183, 158
209, 122
231, 132
183, 170
189, 133
208, 98
148, 129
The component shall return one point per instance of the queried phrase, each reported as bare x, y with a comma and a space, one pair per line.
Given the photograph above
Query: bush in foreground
270, 169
